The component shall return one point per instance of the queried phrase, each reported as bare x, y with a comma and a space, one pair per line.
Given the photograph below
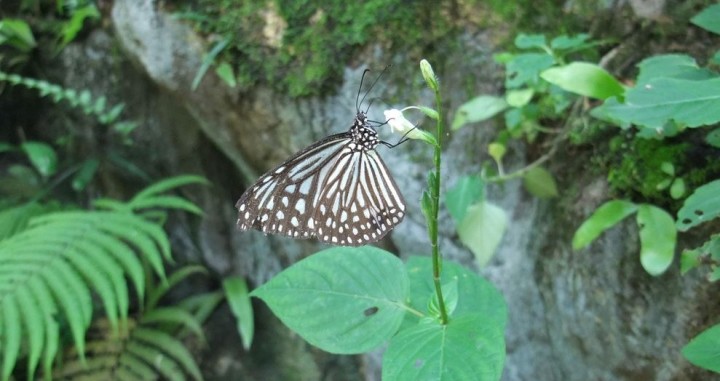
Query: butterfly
338, 190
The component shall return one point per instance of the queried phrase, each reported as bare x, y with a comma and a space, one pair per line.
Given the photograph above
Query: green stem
435, 196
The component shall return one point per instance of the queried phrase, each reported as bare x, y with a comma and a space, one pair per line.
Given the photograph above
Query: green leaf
208, 59
17, 34
678, 66
584, 78
482, 229
238, 298
519, 98
11, 335
657, 239
170, 346
174, 315
72, 27
173, 280
450, 298
604, 217
165, 202
662, 100
86, 173
704, 349
475, 295
677, 189
703, 205
226, 73
540, 183
165, 365
708, 19
42, 157
527, 41
689, 259
324, 298
524, 69
168, 184
566, 43
467, 191
467, 348
478, 109
713, 138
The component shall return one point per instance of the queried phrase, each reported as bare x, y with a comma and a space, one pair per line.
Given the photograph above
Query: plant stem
435, 196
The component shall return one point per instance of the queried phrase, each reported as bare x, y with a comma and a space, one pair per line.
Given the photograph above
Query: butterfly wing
282, 201
359, 201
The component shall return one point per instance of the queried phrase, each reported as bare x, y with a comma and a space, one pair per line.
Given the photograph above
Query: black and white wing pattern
338, 190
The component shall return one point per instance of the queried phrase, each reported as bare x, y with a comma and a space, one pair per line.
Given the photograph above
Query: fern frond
56, 262
145, 351
16, 218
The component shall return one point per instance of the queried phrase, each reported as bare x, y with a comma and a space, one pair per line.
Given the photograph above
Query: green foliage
658, 236
54, 260
238, 298
480, 224
83, 100
704, 350
364, 294
293, 46
355, 293
146, 347
17, 35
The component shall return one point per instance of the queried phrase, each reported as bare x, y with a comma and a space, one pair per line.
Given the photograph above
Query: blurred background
100, 99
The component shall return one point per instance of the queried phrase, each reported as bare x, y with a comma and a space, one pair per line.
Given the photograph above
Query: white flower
397, 122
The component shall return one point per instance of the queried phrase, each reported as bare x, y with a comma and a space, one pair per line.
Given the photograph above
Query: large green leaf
343, 300
703, 205
475, 295
704, 349
482, 229
467, 348
661, 100
657, 239
604, 217
584, 78
671, 66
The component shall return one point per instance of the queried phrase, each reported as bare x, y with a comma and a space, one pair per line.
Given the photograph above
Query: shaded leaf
540, 183
704, 349
238, 298
42, 157
604, 217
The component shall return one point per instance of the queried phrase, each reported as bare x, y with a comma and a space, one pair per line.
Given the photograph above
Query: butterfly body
338, 190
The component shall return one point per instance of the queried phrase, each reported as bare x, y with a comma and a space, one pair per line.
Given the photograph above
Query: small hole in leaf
699, 213
371, 311
686, 221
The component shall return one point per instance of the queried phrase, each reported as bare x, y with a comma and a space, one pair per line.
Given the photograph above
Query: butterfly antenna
371, 86
357, 105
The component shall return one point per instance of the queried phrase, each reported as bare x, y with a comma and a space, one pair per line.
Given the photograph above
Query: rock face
590, 315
